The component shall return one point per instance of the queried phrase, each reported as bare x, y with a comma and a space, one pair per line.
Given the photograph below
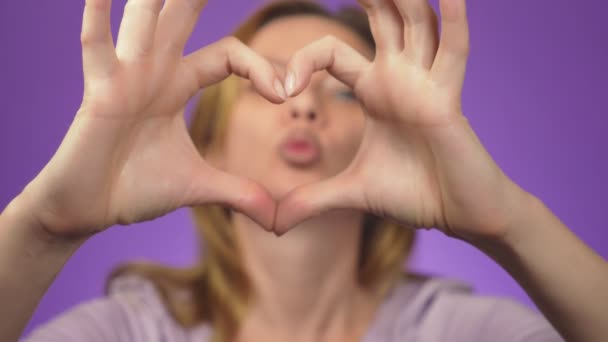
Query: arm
29, 262
421, 163
564, 277
132, 107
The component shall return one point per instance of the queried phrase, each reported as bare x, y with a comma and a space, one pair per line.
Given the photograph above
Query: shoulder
442, 309
133, 310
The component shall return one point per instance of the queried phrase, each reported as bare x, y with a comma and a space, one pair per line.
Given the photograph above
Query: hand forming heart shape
419, 163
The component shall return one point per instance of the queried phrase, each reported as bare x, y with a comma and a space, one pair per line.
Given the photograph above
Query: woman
403, 152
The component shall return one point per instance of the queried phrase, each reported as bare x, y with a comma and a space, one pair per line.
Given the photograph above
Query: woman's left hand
420, 162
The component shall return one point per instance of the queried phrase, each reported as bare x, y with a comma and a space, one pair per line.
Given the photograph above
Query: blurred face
308, 138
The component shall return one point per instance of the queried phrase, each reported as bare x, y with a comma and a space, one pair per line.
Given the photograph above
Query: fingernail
278, 87
290, 83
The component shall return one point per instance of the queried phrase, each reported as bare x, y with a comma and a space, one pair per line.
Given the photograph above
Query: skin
324, 303
127, 158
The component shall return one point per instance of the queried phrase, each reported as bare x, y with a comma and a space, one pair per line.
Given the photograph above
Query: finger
176, 23
450, 64
98, 55
217, 61
386, 24
315, 199
243, 195
420, 30
137, 29
331, 54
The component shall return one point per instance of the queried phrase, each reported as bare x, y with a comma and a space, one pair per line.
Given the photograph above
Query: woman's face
308, 138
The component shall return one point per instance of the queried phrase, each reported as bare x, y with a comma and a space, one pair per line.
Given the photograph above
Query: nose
303, 110
311, 115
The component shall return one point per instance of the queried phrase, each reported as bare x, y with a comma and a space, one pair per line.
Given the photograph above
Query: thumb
241, 194
314, 199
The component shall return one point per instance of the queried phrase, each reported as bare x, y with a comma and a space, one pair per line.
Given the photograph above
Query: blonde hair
217, 284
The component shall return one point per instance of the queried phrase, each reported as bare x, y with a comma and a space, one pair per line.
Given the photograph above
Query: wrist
518, 224
521, 236
22, 214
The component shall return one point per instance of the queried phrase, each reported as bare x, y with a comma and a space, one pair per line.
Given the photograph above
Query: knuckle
87, 39
98, 5
330, 40
331, 43
463, 47
195, 5
151, 7
231, 43
467, 50
459, 46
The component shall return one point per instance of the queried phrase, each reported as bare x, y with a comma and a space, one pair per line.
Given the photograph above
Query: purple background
534, 94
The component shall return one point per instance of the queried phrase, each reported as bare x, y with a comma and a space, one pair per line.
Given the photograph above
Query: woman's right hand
127, 156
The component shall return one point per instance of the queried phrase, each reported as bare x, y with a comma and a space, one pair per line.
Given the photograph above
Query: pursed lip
300, 148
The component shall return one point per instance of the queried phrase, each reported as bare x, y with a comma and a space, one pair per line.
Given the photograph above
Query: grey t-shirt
421, 310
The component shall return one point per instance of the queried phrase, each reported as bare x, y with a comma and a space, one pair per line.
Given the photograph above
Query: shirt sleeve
132, 312
484, 318
98, 320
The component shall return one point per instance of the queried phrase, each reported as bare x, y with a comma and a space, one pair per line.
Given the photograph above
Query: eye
346, 94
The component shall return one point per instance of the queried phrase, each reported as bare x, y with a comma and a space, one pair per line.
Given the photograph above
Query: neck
305, 283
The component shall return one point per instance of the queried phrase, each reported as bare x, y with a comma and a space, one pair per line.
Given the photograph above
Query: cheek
346, 139
248, 141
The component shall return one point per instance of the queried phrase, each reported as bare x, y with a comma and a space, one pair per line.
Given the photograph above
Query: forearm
565, 278
29, 262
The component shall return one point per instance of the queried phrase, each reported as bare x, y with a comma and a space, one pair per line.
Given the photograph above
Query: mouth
300, 148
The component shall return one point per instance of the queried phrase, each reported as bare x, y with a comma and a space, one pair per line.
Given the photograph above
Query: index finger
176, 23
331, 54
217, 61
98, 53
